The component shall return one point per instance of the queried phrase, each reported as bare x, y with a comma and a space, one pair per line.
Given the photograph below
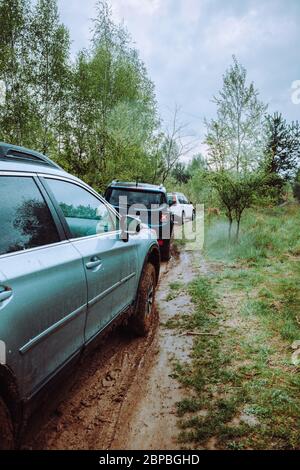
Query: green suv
70, 266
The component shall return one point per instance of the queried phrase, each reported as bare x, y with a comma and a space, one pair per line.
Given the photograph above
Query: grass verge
244, 389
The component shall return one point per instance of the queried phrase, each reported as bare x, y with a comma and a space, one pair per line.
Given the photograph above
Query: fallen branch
194, 333
212, 313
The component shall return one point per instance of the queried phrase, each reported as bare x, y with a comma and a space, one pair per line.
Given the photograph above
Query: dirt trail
151, 423
123, 395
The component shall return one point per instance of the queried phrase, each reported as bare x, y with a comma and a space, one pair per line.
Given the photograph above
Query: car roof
137, 185
177, 194
20, 159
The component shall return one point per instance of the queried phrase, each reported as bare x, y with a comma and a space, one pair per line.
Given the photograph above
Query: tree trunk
238, 229
230, 227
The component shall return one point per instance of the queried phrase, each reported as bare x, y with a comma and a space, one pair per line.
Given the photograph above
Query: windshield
138, 196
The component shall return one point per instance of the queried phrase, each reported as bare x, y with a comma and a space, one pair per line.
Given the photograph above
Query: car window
25, 219
171, 198
181, 199
138, 196
85, 214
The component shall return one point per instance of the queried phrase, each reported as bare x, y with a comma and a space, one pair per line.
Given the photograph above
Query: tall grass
265, 233
268, 260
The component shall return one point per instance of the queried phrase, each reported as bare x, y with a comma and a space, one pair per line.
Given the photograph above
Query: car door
181, 204
176, 208
43, 290
109, 262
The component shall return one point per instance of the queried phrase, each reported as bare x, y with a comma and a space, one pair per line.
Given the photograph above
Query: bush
296, 190
296, 186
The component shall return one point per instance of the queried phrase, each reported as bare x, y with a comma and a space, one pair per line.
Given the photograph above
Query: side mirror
129, 226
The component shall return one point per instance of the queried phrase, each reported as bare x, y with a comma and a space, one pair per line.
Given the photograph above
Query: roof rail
12, 152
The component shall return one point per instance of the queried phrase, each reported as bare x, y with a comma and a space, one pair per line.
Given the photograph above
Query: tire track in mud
122, 395
152, 422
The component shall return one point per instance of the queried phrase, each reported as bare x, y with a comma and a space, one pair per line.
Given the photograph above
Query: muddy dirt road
123, 395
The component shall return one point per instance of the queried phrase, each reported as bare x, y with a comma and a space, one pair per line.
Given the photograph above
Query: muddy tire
6, 428
145, 304
166, 251
182, 218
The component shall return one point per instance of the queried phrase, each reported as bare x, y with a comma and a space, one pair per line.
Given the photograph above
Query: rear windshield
138, 196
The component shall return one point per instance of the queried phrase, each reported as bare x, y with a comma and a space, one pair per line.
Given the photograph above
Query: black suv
149, 202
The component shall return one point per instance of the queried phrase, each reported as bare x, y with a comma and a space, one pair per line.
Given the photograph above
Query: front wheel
145, 304
6, 428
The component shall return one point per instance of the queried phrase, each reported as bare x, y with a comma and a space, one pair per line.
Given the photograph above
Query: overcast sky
188, 44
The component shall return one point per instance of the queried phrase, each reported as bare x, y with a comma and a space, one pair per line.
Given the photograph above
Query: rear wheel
6, 428
182, 218
166, 251
145, 308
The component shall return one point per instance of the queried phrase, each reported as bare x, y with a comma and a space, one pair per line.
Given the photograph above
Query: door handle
5, 294
94, 263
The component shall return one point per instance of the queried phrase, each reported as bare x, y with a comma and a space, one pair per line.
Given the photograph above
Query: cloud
187, 46
147, 7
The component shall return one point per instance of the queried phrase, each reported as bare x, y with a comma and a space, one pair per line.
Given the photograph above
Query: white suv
181, 207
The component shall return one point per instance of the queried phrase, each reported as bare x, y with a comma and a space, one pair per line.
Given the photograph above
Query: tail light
164, 217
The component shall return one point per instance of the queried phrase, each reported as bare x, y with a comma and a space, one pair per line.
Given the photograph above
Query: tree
113, 114
17, 114
218, 147
237, 193
97, 116
234, 138
175, 145
180, 173
49, 67
280, 158
198, 162
282, 153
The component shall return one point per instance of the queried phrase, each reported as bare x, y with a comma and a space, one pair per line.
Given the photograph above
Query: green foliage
235, 137
266, 233
17, 112
237, 193
113, 110
97, 116
243, 390
282, 154
296, 187
49, 74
